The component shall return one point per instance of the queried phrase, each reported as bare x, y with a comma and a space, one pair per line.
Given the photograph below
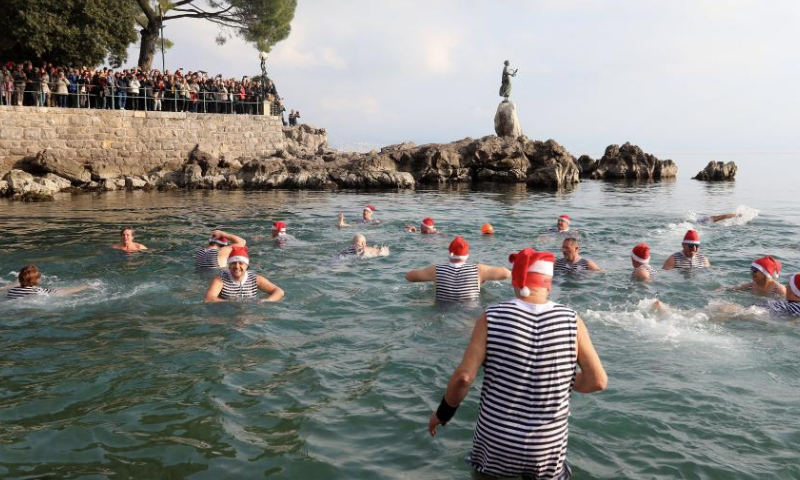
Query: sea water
136, 378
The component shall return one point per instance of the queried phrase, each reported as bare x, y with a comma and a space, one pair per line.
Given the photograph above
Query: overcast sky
674, 76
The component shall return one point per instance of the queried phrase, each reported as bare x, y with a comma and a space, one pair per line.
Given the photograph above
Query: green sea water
136, 378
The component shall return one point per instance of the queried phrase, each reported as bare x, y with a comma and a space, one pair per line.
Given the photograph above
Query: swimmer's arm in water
373, 250
465, 373
235, 240
487, 273
725, 216
738, 288
71, 290
669, 264
275, 292
411, 229
592, 376
342, 223
427, 274
592, 266
212, 294
707, 263
641, 274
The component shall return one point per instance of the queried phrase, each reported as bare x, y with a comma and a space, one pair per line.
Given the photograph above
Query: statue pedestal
506, 122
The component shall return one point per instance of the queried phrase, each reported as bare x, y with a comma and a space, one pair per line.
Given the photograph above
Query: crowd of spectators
133, 89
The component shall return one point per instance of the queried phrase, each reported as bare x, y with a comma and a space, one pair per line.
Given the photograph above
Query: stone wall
133, 142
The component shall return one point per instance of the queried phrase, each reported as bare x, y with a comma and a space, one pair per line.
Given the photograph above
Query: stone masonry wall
133, 142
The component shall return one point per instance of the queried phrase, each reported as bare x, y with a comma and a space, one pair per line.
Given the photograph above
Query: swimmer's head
793, 288
532, 271
427, 226
278, 228
570, 248
767, 266
127, 234
367, 212
359, 242
691, 243
640, 254
487, 229
563, 223
459, 250
239, 255
29, 276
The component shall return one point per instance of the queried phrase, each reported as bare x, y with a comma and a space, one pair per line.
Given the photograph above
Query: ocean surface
136, 378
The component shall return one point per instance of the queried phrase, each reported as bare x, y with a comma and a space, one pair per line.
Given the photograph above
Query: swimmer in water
717, 218
29, 278
791, 306
215, 255
366, 217
127, 244
426, 227
458, 281
360, 248
238, 283
765, 272
640, 259
562, 225
279, 235
689, 258
572, 261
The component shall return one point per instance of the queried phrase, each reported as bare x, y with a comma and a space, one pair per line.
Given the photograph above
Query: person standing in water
238, 283
572, 262
765, 272
215, 255
689, 258
127, 244
366, 217
458, 281
279, 235
530, 349
640, 259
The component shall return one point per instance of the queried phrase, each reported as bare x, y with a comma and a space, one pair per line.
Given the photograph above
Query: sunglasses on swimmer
692, 245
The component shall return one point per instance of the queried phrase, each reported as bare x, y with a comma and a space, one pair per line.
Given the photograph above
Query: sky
717, 77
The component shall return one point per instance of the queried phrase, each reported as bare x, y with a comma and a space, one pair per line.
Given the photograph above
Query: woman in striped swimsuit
530, 349
238, 283
765, 272
29, 277
215, 255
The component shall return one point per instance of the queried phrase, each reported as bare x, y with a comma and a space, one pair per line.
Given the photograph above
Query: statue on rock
505, 86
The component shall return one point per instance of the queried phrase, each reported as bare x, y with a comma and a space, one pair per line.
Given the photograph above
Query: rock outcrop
717, 171
631, 163
506, 122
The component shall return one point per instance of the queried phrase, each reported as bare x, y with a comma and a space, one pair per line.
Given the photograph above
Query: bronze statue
505, 87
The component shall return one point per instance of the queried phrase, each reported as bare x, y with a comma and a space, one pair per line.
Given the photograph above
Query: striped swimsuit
457, 282
562, 266
21, 292
784, 308
531, 359
206, 258
233, 290
684, 263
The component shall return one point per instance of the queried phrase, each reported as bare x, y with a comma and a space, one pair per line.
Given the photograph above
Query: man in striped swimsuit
215, 255
238, 283
530, 349
572, 261
689, 258
457, 280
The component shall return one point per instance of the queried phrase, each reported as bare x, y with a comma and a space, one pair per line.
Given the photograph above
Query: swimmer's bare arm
739, 288
488, 273
465, 373
342, 223
427, 274
592, 266
719, 218
592, 376
374, 250
670, 263
235, 240
275, 292
71, 290
641, 274
212, 294
781, 290
707, 263
8, 285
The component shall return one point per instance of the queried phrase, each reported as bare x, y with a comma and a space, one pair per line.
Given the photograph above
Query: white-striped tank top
530, 366
206, 258
562, 266
684, 263
457, 282
644, 266
233, 290
783, 307
20, 292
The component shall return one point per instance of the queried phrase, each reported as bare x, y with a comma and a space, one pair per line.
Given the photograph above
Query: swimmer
689, 258
279, 235
238, 283
765, 272
790, 306
717, 218
562, 224
360, 248
458, 280
426, 227
534, 353
572, 261
487, 229
29, 277
215, 255
127, 244
366, 217
640, 259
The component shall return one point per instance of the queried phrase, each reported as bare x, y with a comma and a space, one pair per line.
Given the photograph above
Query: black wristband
445, 412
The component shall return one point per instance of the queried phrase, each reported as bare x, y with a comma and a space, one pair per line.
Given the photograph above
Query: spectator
62, 90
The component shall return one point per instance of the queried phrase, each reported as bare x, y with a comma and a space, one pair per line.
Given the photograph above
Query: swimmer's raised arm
235, 240
427, 274
342, 223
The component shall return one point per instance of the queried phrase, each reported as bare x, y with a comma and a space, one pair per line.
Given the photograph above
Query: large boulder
717, 171
23, 183
586, 165
48, 162
209, 163
506, 122
305, 138
630, 162
60, 182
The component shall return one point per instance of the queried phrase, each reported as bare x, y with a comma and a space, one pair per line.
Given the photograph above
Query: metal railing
103, 98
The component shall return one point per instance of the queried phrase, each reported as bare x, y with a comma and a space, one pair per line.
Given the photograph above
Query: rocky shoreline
308, 163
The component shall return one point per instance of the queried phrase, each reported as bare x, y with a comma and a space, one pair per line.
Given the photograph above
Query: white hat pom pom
524, 291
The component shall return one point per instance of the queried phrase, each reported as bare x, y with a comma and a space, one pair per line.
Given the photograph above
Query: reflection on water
135, 377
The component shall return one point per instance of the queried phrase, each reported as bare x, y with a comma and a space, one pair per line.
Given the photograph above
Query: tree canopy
67, 32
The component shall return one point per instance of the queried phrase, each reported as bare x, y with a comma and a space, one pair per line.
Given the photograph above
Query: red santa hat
768, 266
565, 218
239, 254
221, 241
531, 269
691, 238
794, 284
279, 227
641, 253
427, 222
370, 208
459, 249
